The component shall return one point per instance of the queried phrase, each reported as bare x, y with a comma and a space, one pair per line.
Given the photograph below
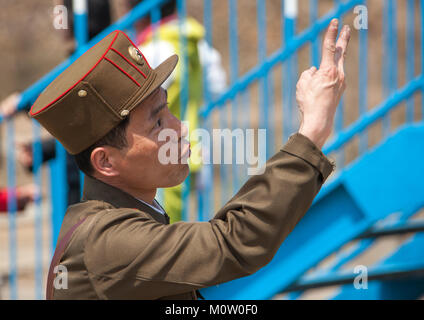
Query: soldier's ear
103, 162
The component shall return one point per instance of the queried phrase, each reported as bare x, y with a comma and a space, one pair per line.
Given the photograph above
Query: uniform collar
97, 190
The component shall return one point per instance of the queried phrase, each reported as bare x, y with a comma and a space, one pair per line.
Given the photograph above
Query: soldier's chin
183, 171
186, 171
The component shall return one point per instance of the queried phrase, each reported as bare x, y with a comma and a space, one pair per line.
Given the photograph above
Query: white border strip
291, 8
79, 6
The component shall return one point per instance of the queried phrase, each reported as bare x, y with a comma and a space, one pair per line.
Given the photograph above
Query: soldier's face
140, 166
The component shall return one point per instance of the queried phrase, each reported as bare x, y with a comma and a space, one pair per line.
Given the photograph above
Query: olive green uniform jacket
127, 250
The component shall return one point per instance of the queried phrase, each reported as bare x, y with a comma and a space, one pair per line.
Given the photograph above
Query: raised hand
318, 92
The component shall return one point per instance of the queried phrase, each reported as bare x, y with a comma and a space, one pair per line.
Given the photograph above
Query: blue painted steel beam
396, 229
377, 273
401, 225
374, 115
407, 261
422, 58
365, 243
403, 289
344, 258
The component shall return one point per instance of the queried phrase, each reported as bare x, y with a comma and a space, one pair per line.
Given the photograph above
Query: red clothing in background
3, 201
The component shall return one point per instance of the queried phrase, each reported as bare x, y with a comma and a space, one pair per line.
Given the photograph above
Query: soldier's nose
184, 129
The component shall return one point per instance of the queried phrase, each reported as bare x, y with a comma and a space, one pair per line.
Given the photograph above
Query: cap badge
136, 55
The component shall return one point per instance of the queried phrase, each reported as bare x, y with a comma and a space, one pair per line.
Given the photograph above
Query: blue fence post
184, 95
155, 17
290, 11
410, 55
58, 191
422, 58
80, 22
264, 122
81, 34
38, 219
223, 169
390, 75
11, 208
363, 83
339, 116
234, 73
205, 195
247, 116
315, 44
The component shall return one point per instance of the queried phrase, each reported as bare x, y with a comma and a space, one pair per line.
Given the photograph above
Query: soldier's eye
158, 123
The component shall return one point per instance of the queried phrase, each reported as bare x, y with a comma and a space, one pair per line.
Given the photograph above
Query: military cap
98, 91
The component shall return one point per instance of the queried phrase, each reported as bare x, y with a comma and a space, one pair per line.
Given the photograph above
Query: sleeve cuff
301, 147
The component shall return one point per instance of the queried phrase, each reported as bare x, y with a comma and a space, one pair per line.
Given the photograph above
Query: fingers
329, 45
311, 71
341, 48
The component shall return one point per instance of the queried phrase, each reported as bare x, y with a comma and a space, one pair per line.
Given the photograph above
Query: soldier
205, 65
108, 110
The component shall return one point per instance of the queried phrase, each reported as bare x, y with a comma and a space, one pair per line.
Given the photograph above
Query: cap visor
163, 71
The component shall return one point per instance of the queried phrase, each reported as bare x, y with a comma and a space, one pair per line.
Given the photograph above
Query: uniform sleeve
129, 255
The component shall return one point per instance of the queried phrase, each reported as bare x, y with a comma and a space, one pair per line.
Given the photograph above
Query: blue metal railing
235, 102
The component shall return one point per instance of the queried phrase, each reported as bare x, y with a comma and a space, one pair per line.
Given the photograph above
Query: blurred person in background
158, 42
24, 195
99, 17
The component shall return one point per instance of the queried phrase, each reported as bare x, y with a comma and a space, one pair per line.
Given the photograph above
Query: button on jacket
127, 250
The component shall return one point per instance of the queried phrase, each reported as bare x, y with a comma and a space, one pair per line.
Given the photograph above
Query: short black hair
165, 10
115, 138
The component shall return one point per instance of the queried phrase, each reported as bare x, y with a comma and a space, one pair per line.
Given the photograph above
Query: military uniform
127, 250
113, 245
